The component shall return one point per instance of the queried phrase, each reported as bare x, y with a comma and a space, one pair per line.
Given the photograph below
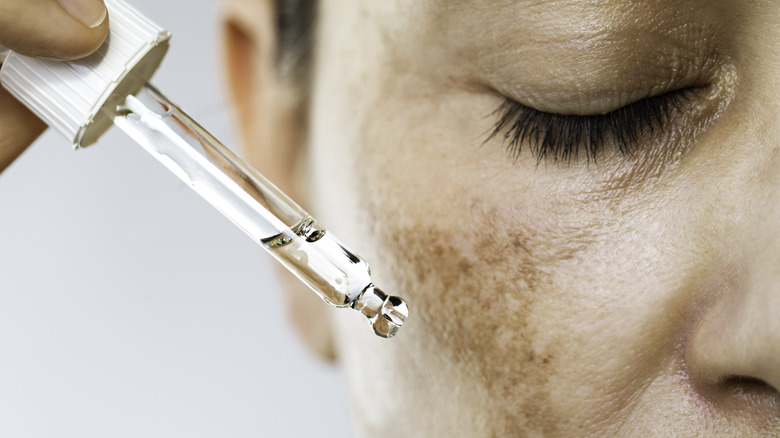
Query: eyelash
561, 138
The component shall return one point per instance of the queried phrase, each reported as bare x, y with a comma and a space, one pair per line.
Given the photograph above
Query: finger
59, 29
18, 128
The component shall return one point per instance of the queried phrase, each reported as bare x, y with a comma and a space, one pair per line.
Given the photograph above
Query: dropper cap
71, 96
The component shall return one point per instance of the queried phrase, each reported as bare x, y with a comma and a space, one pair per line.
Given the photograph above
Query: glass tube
255, 205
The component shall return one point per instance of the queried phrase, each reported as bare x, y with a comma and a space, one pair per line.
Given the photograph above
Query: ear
273, 127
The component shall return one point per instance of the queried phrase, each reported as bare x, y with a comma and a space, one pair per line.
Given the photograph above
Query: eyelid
590, 92
562, 137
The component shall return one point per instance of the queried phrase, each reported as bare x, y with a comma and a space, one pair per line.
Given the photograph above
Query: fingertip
91, 13
79, 45
78, 37
53, 32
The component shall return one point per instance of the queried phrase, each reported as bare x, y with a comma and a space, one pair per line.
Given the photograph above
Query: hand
53, 29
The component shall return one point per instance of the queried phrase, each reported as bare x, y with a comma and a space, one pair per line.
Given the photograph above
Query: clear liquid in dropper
256, 206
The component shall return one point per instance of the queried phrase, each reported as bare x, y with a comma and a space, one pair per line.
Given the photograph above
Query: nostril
744, 385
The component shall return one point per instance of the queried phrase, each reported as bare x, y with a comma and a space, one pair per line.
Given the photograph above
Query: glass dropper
82, 98
259, 208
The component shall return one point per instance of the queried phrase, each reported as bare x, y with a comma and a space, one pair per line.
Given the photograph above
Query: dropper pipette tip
386, 313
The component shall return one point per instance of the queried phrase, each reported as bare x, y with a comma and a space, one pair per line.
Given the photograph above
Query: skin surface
635, 296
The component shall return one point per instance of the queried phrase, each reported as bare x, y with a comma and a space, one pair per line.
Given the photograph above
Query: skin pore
633, 295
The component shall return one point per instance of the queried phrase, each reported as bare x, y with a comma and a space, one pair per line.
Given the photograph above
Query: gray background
130, 308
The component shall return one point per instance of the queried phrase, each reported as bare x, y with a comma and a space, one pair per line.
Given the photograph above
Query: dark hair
295, 21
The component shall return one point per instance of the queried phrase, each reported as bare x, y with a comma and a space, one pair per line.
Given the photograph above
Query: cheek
474, 250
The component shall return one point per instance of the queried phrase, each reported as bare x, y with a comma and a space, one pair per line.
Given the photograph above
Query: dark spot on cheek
465, 267
474, 300
521, 244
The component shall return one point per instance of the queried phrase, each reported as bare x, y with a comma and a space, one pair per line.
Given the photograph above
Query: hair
295, 22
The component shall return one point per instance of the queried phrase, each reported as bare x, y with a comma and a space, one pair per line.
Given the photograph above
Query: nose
734, 346
736, 343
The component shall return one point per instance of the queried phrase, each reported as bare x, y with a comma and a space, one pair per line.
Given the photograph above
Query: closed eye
563, 138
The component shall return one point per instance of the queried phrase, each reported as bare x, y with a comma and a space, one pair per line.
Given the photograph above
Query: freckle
465, 266
520, 242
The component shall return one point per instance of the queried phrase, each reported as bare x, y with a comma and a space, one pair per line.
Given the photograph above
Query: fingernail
90, 12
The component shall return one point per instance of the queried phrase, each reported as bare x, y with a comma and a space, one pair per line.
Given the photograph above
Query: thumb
57, 29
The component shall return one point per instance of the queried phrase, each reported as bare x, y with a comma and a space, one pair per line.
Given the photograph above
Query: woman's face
590, 294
